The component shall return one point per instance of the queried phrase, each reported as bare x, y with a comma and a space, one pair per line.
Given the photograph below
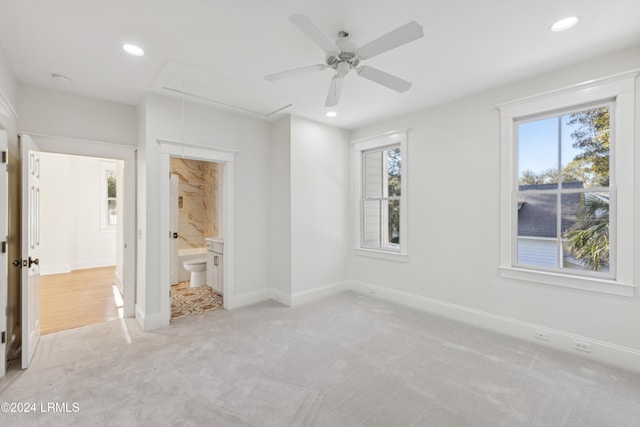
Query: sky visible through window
538, 144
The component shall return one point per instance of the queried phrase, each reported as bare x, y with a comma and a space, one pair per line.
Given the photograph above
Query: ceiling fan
343, 56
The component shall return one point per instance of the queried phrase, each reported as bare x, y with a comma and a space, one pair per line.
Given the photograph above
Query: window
563, 197
567, 182
380, 165
381, 179
111, 198
108, 192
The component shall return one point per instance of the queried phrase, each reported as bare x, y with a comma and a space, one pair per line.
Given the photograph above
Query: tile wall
198, 201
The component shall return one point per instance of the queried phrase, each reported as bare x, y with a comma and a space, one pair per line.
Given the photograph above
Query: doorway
81, 255
225, 160
31, 147
126, 154
196, 276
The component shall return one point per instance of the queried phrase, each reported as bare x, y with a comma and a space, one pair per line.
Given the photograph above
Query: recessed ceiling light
564, 24
331, 114
60, 78
132, 49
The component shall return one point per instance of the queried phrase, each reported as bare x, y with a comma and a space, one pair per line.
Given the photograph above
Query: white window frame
560, 190
361, 146
105, 167
620, 89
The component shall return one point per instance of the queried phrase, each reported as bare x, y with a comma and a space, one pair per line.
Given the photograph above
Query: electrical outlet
582, 346
372, 291
544, 336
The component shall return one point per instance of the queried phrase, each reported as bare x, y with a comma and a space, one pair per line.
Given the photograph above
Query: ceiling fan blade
385, 79
401, 35
335, 89
312, 31
294, 72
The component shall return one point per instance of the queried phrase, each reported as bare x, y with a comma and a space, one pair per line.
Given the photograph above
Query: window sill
604, 286
392, 256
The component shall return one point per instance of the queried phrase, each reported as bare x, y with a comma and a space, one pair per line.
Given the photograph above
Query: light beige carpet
347, 360
188, 301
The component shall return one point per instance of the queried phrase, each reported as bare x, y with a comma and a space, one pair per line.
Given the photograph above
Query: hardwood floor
79, 298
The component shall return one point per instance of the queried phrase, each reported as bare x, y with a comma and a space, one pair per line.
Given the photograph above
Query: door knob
175, 235
33, 261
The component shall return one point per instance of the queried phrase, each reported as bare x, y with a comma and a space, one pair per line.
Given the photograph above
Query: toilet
198, 269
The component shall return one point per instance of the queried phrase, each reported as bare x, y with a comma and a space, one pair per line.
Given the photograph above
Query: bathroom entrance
197, 247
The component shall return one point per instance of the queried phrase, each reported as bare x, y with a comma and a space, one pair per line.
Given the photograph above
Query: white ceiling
221, 50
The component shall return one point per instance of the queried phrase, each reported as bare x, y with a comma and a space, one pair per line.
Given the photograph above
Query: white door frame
4, 260
224, 157
175, 221
84, 147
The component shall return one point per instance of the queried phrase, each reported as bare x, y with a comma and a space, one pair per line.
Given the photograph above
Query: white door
30, 248
3, 252
175, 221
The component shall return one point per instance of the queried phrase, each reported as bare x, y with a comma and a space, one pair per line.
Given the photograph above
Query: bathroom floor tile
187, 301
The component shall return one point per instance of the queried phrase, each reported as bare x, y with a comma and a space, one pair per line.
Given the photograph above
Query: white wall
320, 204
453, 202
72, 237
280, 206
141, 210
50, 112
120, 228
214, 128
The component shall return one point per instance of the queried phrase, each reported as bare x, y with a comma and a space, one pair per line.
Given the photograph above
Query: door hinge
4, 157
4, 247
4, 337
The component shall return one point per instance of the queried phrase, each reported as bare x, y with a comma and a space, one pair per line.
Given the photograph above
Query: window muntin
563, 197
381, 198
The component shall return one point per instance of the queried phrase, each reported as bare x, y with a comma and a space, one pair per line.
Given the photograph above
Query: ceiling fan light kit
343, 56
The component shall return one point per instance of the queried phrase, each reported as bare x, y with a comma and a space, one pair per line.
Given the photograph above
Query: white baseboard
303, 297
249, 298
281, 297
93, 263
150, 322
317, 293
46, 270
602, 351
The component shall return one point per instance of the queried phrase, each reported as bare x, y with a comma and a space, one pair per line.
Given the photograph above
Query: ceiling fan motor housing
347, 55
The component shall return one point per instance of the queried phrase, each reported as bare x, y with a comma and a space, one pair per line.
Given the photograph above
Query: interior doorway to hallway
126, 153
31, 148
82, 259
